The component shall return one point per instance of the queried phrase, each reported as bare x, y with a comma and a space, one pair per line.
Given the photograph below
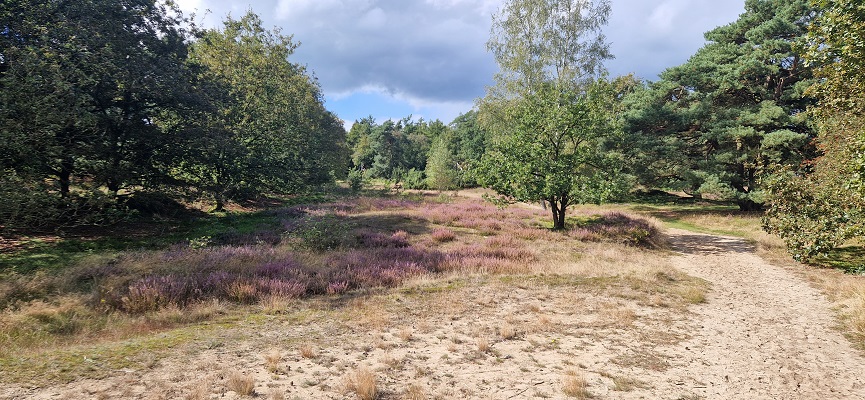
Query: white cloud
664, 15
431, 54
373, 19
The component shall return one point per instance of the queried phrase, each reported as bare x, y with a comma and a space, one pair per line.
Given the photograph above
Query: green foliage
276, 135
82, 85
821, 205
717, 124
440, 169
414, 179
555, 151
810, 216
536, 41
468, 143
355, 180
549, 118
102, 99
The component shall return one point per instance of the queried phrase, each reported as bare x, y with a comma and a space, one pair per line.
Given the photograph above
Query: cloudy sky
427, 58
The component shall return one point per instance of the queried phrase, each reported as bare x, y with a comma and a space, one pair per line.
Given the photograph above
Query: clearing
707, 319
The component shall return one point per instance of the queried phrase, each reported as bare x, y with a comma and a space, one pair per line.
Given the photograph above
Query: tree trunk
558, 208
64, 177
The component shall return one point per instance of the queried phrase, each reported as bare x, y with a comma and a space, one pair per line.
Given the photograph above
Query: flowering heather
339, 287
618, 227
369, 239
442, 235
486, 218
154, 292
273, 276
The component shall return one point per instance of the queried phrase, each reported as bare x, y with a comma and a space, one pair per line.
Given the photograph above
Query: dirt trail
763, 333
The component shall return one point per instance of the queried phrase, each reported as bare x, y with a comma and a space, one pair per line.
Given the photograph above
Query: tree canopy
821, 204
102, 100
717, 124
549, 114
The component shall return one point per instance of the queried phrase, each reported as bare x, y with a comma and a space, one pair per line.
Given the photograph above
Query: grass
362, 383
242, 384
272, 360
153, 293
574, 385
307, 350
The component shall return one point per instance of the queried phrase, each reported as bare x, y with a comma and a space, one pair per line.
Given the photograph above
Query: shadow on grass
49, 253
709, 245
850, 259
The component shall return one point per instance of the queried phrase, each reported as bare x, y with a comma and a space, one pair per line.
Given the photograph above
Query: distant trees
420, 154
723, 120
820, 204
100, 100
549, 113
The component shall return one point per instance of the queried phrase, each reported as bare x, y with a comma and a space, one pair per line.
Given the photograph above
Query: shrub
414, 179
355, 180
443, 235
618, 227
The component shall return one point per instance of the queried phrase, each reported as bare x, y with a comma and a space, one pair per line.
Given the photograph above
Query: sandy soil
761, 334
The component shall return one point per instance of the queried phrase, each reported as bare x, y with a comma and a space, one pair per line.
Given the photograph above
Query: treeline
767, 115
107, 105
418, 154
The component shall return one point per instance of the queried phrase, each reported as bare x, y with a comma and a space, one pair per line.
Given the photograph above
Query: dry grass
414, 392
276, 394
507, 331
406, 334
520, 248
483, 345
847, 293
619, 317
574, 385
243, 385
272, 360
307, 350
200, 391
363, 383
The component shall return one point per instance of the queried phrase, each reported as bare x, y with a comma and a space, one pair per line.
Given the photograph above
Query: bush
355, 180
414, 179
621, 228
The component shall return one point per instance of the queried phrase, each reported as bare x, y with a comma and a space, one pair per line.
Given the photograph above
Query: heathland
427, 295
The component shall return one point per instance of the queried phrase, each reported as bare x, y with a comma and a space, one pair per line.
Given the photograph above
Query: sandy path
763, 333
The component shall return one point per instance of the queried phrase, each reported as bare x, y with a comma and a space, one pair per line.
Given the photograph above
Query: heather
346, 247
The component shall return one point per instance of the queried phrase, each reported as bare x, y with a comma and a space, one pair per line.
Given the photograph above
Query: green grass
56, 252
850, 259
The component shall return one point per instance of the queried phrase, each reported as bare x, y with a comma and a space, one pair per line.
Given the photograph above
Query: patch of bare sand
762, 334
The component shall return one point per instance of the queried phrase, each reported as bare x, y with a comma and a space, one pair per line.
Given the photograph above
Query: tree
821, 204
556, 151
273, 133
548, 113
82, 85
440, 171
469, 143
720, 122
358, 141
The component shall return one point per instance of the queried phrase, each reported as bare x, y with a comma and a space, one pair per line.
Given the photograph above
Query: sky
427, 58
